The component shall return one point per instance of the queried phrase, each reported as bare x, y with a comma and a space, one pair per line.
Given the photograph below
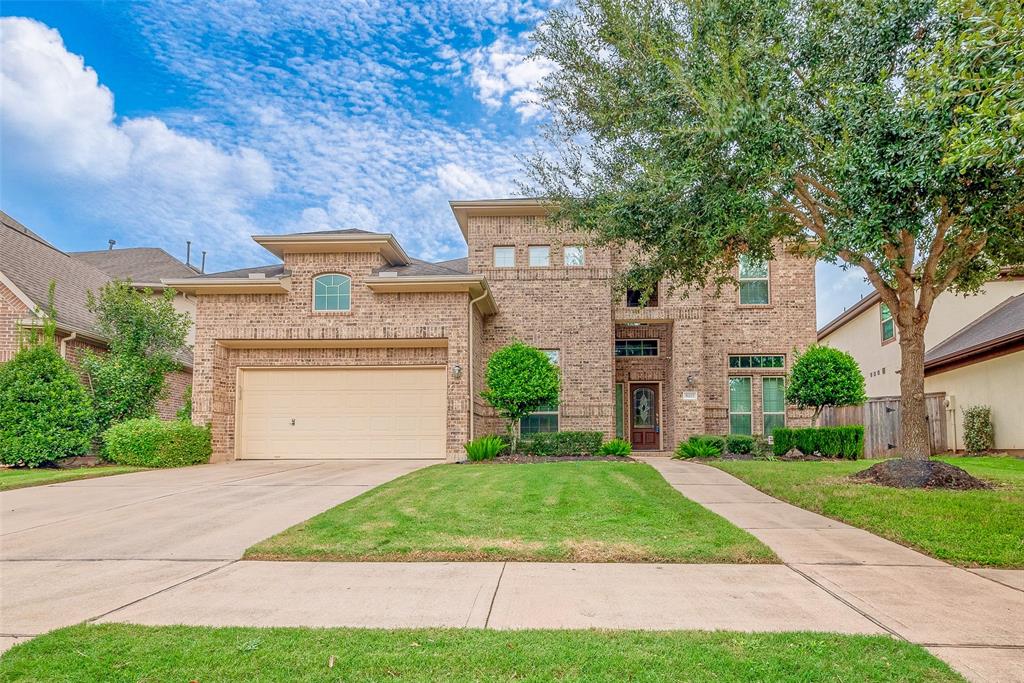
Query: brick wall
175, 384
12, 309
290, 317
554, 307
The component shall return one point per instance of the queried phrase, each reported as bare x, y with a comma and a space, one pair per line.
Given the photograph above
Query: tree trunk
915, 442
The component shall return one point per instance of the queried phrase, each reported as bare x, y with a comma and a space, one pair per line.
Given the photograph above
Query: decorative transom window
636, 347
574, 256
757, 361
540, 256
504, 257
332, 293
545, 419
888, 326
773, 402
753, 281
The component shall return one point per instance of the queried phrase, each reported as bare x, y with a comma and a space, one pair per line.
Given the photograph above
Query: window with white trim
540, 256
888, 325
574, 256
773, 404
740, 405
504, 257
545, 419
332, 292
753, 281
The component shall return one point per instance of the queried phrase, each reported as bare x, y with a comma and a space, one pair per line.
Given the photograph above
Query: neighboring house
349, 348
28, 264
969, 354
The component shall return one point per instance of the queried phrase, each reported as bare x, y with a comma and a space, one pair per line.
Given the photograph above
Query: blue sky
156, 123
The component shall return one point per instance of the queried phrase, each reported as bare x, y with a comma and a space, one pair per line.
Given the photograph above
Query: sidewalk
834, 578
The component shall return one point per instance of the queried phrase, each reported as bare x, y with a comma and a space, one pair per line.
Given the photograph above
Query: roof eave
849, 314
231, 285
474, 285
384, 243
979, 351
471, 208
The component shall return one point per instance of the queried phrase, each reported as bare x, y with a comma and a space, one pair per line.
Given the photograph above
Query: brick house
349, 348
28, 264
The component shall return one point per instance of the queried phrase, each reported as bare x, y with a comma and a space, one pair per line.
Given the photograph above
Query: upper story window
636, 347
540, 256
504, 257
888, 325
635, 297
574, 256
753, 281
332, 292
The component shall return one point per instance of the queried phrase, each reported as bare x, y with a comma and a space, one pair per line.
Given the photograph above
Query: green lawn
129, 653
22, 477
968, 528
585, 511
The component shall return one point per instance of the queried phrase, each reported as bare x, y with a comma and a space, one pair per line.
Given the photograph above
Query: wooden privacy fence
881, 420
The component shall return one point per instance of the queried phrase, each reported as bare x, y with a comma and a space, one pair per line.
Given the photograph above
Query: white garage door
342, 413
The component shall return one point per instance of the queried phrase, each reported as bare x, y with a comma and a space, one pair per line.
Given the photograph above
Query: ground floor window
545, 419
620, 432
773, 398
740, 406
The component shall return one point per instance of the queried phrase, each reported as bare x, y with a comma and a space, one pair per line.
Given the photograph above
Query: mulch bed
521, 459
926, 474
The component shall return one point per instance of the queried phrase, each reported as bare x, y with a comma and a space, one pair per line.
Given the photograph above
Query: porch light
456, 371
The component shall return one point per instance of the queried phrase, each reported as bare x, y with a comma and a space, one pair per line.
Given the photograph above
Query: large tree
878, 135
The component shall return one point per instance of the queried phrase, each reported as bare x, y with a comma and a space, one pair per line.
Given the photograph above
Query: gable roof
417, 267
1001, 329
866, 302
141, 265
31, 263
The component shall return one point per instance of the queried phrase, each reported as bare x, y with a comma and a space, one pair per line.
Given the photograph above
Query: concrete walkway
835, 577
973, 619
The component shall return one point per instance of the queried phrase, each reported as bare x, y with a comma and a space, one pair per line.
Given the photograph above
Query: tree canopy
878, 135
520, 380
823, 376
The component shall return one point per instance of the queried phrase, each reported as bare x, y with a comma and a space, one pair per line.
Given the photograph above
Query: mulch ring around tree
520, 459
912, 474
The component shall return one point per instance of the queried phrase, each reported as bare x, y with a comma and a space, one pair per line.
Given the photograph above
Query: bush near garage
150, 442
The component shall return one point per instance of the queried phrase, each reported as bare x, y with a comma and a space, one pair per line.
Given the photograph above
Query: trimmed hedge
562, 443
739, 443
149, 442
834, 442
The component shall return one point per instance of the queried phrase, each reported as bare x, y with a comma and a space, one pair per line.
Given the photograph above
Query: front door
643, 426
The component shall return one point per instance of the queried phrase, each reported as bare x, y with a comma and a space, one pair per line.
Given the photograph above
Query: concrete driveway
79, 550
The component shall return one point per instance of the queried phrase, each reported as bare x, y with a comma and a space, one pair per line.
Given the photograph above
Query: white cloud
504, 71
464, 183
60, 128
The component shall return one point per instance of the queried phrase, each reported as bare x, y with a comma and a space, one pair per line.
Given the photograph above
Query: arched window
332, 292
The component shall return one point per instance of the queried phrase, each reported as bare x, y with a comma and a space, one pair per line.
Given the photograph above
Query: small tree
145, 333
45, 412
823, 376
520, 380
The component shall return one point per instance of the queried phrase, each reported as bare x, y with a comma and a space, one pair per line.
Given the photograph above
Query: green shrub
835, 442
979, 434
615, 447
697, 447
150, 442
520, 380
739, 443
45, 412
484, 448
185, 411
713, 440
824, 376
562, 443
783, 440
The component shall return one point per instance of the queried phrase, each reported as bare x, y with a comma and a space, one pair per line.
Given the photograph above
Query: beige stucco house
350, 348
974, 354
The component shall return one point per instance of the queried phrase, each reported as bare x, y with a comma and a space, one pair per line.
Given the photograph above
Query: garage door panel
342, 413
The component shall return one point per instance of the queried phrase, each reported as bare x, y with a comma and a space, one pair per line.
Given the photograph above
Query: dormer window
332, 292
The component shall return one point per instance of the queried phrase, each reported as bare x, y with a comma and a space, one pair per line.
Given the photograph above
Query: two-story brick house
349, 348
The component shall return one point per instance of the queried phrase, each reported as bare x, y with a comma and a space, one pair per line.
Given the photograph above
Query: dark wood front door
643, 417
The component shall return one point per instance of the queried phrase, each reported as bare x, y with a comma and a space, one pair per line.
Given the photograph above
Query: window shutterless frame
574, 256
504, 257
332, 293
740, 405
887, 324
540, 256
754, 278
545, 419
773, 404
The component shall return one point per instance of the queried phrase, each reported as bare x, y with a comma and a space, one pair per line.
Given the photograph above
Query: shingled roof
1000, 329
32, 263
141, 265
417, 267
